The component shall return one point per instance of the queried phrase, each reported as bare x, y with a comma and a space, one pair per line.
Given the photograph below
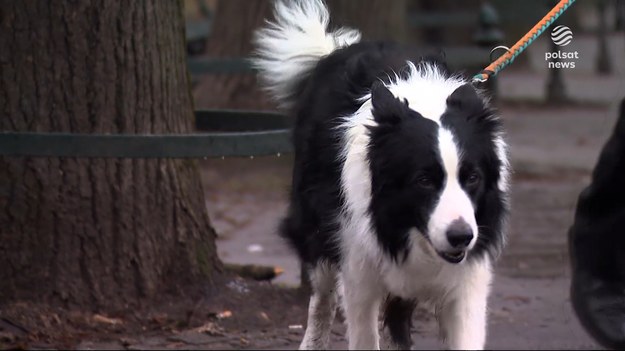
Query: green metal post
489, 35
604, 64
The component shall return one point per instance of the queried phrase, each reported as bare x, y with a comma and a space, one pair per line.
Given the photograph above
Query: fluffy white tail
288, 48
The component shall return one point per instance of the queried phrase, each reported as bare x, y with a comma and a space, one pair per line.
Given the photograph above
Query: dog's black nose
459, 234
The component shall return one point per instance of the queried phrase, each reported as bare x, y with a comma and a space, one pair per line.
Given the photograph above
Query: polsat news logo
561, 36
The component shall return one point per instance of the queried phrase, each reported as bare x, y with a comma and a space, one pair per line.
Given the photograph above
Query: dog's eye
473, 179
425, 182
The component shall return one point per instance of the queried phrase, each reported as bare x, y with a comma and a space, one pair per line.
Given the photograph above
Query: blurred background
556, 121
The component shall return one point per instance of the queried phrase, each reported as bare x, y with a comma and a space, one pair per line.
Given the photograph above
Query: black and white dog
400, 180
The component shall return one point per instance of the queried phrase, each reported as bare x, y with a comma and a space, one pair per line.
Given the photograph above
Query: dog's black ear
465, 98
387, 109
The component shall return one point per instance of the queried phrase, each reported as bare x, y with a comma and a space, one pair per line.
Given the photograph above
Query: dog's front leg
362, 295
463, 315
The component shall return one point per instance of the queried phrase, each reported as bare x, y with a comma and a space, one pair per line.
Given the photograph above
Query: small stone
255, 248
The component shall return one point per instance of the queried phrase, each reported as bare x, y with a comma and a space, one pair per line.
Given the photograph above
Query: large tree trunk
98, 232
376, 19
231, 36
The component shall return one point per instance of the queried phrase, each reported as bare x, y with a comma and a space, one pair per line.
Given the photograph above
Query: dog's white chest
424, 279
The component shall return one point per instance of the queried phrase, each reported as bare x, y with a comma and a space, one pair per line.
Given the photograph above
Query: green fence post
604, 64
489, 35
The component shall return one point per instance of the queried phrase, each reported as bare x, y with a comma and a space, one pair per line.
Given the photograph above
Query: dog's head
442, 176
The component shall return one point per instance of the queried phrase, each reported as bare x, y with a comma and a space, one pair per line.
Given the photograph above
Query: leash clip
497, 48
483, 76
479, 78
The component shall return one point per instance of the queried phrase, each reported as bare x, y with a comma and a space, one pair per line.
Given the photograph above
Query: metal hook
497, 48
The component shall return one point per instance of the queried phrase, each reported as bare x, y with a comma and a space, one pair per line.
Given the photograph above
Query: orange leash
522, 44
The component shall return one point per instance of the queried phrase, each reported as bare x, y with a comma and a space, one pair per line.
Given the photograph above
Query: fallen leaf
106, 320
175, 345
7, 337
160, 318
224, 314
264, 316
518, 298
127, 342
210, 329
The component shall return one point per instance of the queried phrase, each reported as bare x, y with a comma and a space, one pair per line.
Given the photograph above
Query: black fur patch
596, 237
398, 319
331, 92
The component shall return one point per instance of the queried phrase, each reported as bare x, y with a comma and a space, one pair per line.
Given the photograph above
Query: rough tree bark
231, 36
98, 232
376, 19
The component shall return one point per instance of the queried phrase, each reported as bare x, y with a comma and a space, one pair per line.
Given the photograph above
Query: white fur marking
362, 296
454, 202
426, 90
463, 316
504, 170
